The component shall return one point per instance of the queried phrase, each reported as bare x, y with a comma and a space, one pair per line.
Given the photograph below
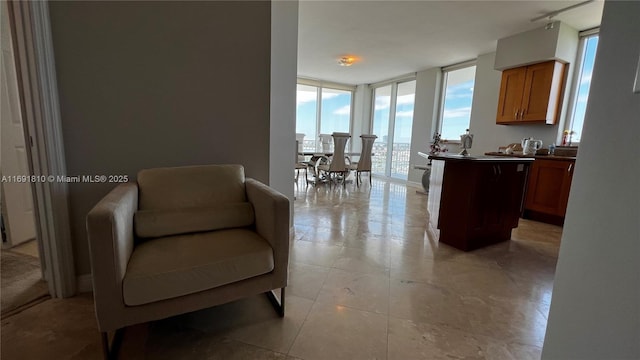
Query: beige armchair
183, 239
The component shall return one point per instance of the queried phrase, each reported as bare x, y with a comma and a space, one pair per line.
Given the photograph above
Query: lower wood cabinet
475, 202
548, 190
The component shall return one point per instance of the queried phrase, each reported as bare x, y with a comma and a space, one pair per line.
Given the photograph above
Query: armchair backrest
190, 199
364, 163
190, 186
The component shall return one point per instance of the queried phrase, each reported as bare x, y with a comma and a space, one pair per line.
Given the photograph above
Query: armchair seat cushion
179, 265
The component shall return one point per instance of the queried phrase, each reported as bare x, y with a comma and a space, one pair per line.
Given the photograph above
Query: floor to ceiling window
322, 110
392, 121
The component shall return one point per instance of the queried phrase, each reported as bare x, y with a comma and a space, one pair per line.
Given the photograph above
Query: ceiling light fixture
552, 14
346, 61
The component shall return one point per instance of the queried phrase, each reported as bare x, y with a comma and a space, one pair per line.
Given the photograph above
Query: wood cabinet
531, 94
479, 200
548, 190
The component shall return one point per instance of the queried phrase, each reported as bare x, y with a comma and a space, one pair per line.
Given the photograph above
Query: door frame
37, 86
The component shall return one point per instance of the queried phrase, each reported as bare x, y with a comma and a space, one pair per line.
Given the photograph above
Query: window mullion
318, 117
391, 130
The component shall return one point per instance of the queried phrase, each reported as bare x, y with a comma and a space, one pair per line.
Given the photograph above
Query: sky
403, 115
335, 115
583, 88
457, 104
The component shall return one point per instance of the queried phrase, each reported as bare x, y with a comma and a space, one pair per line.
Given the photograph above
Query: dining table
318, 158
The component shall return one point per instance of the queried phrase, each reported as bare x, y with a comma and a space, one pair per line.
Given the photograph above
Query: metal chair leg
111, 352
277, 305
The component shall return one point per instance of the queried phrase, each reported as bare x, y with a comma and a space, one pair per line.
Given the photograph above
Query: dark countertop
545, 157
487, 158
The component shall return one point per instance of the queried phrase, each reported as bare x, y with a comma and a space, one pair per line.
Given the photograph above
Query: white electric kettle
530, 146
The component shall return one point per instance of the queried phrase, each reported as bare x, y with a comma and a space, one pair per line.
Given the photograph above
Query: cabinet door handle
570, 167
516, 115
499, 170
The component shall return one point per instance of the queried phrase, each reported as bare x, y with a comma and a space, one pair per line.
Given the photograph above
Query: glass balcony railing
400, 156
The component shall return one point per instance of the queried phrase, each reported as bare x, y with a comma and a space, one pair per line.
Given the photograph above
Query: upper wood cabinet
531, 94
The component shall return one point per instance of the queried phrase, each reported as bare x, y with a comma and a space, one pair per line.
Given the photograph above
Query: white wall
487, 134
425, 113
537, 45
595, 309
284, 60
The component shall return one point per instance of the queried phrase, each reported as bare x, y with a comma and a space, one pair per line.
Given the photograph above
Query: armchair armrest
110, 234
272, 220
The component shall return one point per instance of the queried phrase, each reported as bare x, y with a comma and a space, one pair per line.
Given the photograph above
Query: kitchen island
475, 201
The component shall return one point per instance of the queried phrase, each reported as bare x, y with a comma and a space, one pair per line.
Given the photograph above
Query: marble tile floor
365, 283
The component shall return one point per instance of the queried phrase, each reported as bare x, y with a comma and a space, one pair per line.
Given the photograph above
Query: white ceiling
395, 38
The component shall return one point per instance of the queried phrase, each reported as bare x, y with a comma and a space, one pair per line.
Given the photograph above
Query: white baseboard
84, 283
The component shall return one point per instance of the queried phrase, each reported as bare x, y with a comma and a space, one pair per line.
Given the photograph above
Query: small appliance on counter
530, 146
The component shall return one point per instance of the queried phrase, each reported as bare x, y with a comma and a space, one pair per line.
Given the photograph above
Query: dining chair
300, 163
338, 165
364, 162
325, 141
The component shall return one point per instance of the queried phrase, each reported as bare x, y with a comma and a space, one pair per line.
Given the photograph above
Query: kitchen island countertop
546, 157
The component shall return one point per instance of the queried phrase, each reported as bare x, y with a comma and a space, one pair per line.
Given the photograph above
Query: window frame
584, 36
320, 85
443, 92
394, 83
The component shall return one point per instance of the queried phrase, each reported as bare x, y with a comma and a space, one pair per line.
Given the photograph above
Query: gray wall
147, 84
595, 309
284, 65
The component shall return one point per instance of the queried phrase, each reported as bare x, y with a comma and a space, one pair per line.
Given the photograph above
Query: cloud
457, 112
305, 97
328, 95
459, 95
309, 96
382, 102
585, 79
582, 99
406, 99
345, 110
408, 113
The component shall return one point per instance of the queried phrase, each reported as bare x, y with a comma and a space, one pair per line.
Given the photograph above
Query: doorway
22, 280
